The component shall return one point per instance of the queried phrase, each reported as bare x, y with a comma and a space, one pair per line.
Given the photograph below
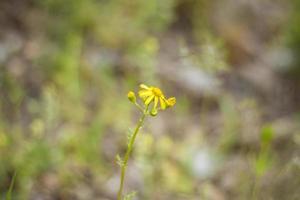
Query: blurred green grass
64, 112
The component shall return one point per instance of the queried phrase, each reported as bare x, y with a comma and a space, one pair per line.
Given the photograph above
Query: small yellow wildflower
154, 94
148, 95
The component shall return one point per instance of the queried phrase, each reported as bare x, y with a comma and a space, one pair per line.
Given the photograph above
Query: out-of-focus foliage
65, 69
292, 36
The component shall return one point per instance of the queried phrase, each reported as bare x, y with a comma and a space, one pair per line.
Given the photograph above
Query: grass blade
9, 192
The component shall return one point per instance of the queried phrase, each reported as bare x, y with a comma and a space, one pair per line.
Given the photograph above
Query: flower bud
131, 96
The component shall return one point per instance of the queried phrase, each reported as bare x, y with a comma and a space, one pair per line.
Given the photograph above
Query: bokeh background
234, 67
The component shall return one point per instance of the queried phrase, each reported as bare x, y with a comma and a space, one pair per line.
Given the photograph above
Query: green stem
128, 152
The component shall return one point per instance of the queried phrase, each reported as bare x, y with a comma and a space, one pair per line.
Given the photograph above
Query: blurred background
234, 67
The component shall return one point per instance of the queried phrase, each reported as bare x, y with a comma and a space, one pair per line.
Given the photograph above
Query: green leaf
9, 192
262, 163
119, 160
267, 133
129, 136
130, 195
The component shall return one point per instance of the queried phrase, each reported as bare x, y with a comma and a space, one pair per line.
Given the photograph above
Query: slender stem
128, 152
255, 188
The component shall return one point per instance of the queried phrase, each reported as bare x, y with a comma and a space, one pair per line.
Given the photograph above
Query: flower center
157, 92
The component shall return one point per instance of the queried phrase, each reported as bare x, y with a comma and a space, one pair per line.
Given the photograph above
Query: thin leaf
119, 160
9, 192
130, 195
129, 136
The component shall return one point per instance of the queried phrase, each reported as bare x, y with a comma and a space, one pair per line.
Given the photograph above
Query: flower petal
171, 101
149, 99
153, 112
155, 102
145, 93
163, 103
143, 86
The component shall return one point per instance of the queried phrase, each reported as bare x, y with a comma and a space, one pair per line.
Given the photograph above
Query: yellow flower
154, 94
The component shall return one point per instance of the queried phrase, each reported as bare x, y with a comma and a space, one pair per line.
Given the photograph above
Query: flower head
151, 94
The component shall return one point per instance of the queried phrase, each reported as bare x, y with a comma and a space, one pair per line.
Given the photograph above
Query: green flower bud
131, 96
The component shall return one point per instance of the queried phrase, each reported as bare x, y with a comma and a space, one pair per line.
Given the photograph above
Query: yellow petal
155, 102
149, 99
163, 104
143, 86
145, 93
153, 112
171, 101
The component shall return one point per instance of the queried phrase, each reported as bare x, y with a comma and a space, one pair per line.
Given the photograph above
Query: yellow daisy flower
154, 94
